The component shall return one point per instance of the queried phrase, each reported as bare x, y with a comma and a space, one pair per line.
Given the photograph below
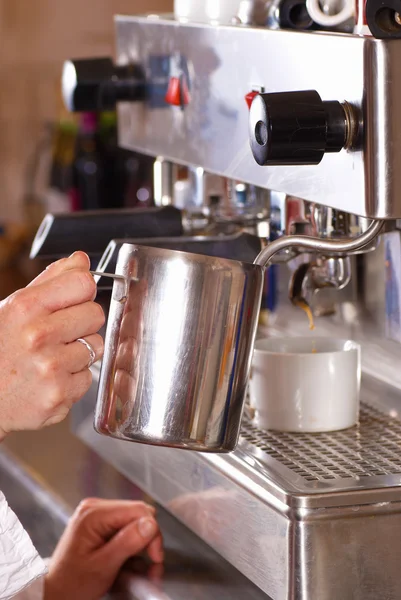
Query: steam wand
318, 245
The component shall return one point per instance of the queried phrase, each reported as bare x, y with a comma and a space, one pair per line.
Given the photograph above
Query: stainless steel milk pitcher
179, 341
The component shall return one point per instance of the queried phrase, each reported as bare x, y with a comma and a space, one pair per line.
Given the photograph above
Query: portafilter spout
319, 245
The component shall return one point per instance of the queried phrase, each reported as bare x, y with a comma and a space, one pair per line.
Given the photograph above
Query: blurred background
53, 161
49, 160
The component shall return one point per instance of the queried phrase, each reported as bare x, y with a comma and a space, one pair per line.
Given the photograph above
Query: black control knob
97, 84
383, 18
293, 14
296, 128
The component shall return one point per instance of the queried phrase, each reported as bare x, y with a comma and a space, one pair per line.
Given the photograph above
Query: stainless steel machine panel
303, 516
221, 65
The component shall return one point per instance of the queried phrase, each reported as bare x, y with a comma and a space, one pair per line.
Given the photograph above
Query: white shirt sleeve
21, 568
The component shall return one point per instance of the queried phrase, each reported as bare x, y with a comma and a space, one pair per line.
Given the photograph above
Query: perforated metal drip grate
372, 448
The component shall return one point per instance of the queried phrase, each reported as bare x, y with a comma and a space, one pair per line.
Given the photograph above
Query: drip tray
364, 458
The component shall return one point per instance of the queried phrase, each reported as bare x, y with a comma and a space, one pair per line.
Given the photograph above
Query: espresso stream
307, 309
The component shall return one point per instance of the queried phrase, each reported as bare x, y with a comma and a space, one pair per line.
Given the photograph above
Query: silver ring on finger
92, 353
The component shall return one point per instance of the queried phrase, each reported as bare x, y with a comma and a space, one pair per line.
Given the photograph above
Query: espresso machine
258, 134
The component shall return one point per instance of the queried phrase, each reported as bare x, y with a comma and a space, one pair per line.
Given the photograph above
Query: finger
106, 520
131, 540
78, 385
155, 549
70, 288
69, 324
65, 395
117, 505
78, 260
75, 357
59, 416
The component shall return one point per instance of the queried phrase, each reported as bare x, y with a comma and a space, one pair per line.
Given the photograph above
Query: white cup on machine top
305, 385
206, 11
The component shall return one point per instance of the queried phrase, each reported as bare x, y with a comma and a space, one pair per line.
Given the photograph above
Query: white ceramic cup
206, 11
305, 384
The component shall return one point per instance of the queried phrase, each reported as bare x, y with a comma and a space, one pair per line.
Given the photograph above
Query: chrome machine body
224, 64
304, 517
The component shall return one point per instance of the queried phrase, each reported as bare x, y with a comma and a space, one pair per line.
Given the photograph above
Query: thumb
78, 260
131, 540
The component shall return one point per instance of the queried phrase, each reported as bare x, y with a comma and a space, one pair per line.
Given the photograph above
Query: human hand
43, 369
100, 538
